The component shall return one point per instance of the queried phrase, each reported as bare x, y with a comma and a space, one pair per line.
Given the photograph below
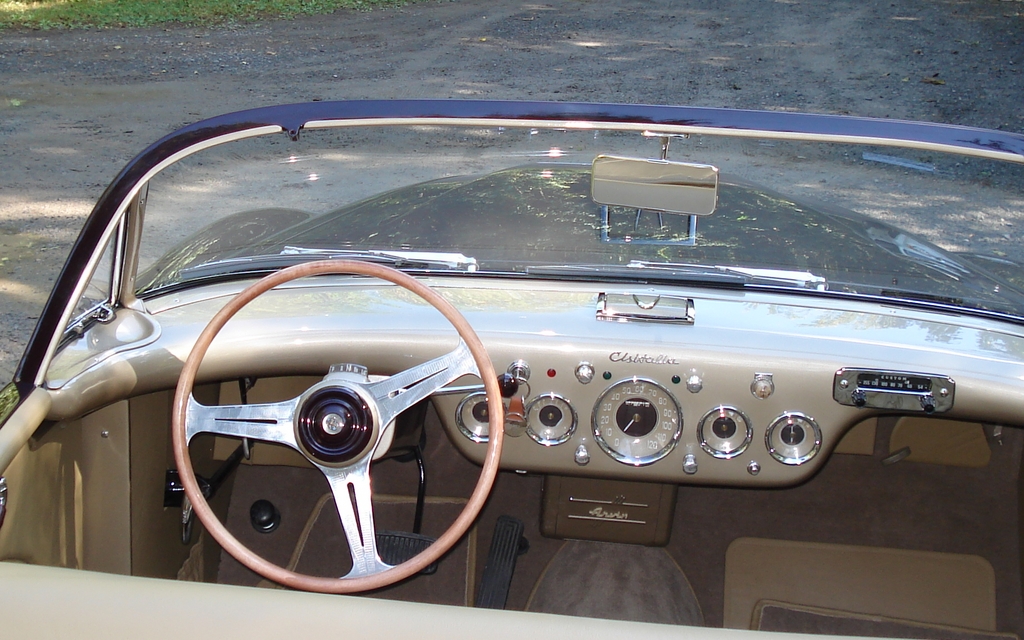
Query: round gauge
793, 438
724, 432
551, 419
473, 417
637, 421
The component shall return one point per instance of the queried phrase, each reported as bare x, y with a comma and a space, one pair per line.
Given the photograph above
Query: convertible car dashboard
656, 384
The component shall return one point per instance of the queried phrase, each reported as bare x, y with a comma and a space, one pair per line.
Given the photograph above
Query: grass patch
74, 14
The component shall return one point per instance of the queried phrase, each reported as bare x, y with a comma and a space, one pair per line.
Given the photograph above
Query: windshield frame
106, 217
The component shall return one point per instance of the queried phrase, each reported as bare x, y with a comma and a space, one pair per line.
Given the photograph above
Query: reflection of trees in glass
238, 234
9, 399
543, 214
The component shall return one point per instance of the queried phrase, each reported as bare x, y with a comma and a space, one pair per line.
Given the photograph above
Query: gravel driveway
75, 106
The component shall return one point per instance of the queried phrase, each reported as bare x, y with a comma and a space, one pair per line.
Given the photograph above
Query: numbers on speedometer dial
637, 421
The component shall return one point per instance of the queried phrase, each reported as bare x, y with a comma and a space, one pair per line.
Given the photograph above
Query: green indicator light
676, 379
607, 375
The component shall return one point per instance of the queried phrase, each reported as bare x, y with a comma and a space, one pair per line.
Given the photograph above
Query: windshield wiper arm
295, 255
402, 258
696, 274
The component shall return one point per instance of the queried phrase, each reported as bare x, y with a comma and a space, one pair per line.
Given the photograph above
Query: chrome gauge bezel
463, 428
549, 397
783, 419
737, 416
633, 460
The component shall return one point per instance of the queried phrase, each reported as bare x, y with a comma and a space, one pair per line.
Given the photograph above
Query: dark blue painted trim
292, 118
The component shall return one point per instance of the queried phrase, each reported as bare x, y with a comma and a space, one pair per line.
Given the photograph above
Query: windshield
835, 219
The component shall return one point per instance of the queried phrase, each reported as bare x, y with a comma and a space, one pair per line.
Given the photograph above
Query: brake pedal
506, 545
395, 547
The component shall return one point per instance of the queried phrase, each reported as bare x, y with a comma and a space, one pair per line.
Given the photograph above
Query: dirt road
75, 106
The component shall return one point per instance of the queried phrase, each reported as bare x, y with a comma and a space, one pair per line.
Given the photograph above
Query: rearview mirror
658, 185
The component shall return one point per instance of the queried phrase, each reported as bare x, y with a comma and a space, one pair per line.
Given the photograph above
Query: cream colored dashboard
745, 395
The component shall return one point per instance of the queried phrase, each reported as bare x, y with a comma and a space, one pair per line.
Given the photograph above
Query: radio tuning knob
859, 398
928, 403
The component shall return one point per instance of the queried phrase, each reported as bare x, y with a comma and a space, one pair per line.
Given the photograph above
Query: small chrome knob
694, 384
582, 456
585, 372
763, 386
519, 370
690, 464
753, 468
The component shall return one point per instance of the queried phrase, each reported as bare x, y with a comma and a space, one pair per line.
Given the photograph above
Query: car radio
897, 390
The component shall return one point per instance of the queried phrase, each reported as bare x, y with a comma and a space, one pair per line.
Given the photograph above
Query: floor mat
938, 588
788, 618
613, 581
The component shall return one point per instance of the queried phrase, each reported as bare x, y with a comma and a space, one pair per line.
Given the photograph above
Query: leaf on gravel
932, 80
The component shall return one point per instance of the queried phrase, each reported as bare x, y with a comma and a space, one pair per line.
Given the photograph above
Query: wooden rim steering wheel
337, 424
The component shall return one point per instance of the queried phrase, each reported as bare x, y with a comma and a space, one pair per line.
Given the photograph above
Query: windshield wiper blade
700, 276
290, 256
696, 274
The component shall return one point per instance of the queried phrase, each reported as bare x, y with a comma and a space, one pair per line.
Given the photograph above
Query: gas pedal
506, 545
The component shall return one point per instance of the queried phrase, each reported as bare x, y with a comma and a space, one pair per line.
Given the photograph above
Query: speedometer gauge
637, 421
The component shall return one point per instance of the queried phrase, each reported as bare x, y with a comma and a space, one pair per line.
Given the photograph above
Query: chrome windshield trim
115, 223
667, 129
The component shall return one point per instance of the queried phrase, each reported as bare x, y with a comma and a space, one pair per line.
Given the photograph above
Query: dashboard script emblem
599, 512
641, 358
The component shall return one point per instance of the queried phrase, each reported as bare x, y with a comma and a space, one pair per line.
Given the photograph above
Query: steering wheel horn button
335, 425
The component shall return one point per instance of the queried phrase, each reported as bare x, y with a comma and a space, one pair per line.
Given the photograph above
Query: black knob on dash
508, 385
859, 398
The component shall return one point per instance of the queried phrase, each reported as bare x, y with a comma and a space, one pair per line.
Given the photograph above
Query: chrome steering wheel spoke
272, 422
351, 489
402, 390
